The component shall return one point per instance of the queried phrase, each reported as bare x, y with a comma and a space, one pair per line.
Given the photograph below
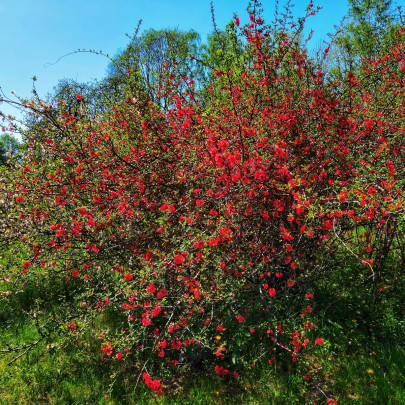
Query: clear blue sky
37, 32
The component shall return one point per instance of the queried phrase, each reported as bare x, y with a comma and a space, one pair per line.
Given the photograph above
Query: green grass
78, 374
375, 377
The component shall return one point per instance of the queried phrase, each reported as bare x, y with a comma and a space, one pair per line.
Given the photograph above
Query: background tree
148, 56
136, 69
10, 148
370, 30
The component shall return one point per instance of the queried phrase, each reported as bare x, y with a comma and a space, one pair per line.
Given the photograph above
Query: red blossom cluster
153, 384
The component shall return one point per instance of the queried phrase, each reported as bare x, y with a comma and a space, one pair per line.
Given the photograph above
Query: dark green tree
10, 149
142, 64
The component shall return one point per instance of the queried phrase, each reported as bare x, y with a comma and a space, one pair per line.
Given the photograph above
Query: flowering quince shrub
201, 225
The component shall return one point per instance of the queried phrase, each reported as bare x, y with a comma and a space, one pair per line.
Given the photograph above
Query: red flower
213, 242
240, 318
154, 384
179, 259
220, 328
150, 289
118, 356
199, 202
220, 370
223, 144
128, 277
79, 97
319, 341
290, 283
272, 292
26, 264
156, 311
107, 349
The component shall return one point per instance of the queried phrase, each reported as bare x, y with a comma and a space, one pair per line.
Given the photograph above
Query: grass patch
77, 374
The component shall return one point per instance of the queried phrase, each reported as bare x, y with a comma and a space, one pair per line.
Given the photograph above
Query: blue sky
37, 33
